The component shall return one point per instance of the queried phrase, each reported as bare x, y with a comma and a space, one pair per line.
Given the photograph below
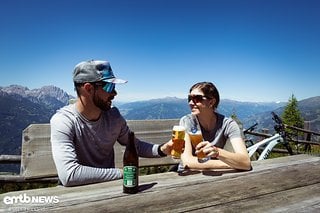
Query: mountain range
172, 108
20, 107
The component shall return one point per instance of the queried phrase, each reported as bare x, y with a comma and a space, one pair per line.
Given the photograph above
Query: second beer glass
178, 133
195, 135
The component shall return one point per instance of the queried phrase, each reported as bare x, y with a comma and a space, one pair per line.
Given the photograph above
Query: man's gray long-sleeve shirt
83, 150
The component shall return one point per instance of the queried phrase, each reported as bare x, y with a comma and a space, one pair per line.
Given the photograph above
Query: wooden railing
4, 159
307, 135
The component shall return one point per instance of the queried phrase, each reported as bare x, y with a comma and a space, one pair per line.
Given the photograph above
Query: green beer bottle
131, 167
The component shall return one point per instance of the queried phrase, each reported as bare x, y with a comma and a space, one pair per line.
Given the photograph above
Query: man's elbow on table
67, 180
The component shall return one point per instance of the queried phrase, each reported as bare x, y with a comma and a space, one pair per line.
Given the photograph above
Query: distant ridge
309, 108
51, 96
20, 107
172, 107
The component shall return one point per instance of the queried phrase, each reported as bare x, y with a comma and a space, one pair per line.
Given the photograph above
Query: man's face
103, 99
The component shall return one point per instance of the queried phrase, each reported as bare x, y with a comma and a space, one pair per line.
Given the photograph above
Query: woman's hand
208, 149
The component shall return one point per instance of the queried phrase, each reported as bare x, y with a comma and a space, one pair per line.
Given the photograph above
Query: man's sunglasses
106, 86
197, 98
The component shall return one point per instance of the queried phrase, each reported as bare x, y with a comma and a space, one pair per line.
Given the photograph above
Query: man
83, 134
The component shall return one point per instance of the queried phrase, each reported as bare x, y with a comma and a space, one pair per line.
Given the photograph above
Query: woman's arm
237, 160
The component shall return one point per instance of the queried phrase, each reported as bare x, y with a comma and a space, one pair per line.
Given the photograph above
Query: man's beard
103, 105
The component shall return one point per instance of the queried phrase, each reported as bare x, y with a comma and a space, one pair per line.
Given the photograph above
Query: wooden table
287, 184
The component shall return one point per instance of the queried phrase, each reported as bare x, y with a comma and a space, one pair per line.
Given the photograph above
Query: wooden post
36, 156
307, 136
264, 131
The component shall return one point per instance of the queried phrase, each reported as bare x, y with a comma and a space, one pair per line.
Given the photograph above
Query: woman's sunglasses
197, 98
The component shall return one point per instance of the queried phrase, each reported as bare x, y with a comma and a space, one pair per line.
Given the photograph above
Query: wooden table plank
287, 184
210, 194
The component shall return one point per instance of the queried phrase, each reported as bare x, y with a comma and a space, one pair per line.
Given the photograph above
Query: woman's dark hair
209, 90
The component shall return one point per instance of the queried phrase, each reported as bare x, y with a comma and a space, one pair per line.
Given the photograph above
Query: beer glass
195, 135
178, 133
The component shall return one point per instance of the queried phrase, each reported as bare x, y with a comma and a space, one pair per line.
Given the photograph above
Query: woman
216, 130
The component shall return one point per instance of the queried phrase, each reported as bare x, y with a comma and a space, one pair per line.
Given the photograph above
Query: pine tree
291, 114
235, 118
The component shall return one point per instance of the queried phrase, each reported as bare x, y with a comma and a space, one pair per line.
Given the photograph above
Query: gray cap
94, 71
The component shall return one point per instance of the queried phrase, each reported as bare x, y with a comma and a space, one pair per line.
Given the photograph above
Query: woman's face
198, 102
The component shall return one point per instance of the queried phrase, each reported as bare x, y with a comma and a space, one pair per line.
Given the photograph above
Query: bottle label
130, 176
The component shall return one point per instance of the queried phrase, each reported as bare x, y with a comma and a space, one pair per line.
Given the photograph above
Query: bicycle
269, 143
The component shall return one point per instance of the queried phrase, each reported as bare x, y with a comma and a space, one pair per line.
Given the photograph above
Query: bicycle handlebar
276, 118
280, 128
251, 128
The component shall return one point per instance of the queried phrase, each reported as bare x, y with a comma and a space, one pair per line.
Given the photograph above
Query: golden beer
178, 133
196, 138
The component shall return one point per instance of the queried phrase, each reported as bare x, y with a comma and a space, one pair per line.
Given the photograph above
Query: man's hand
167, 147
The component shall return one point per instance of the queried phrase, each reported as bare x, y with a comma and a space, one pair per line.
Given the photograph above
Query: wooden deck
287, 184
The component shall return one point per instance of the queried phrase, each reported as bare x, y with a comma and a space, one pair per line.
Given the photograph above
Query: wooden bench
36, 156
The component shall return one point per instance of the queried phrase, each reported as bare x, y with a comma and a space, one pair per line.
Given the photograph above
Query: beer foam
178, 128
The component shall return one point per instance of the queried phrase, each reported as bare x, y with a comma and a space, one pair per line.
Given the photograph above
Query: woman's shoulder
224, 119
187, 116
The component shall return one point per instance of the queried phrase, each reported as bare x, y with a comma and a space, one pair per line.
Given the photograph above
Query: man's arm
69, 170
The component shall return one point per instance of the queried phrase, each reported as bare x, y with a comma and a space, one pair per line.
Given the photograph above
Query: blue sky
253, 50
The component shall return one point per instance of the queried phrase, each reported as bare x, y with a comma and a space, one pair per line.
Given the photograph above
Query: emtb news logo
25, 199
